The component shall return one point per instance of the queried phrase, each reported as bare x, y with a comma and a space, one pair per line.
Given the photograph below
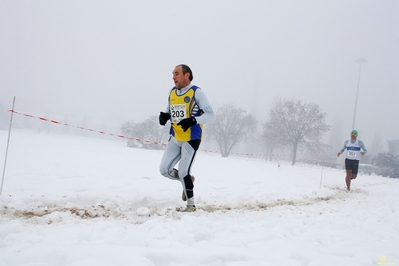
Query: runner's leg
170, 158
348, 179
355, 169
188, 153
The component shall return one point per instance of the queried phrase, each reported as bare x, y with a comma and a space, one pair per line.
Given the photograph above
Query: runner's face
353, 135
181, 80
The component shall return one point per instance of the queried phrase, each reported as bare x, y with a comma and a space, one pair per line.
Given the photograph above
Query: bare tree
270, 139
386, 160
148, 134
297, 125
128, 130
231, 126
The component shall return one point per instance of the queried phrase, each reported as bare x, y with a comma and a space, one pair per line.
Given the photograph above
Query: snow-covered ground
71, 200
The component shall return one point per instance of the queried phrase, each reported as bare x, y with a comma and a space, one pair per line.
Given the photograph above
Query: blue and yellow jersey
181, 107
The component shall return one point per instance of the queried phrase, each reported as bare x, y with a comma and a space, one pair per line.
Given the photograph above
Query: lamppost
360, 61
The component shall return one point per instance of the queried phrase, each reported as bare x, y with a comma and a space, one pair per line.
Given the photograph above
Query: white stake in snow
321, 177
8, 142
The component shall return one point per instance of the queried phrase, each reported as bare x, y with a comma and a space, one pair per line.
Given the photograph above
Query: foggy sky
113, 60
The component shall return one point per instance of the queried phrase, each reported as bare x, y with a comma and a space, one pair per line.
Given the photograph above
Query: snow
70, 200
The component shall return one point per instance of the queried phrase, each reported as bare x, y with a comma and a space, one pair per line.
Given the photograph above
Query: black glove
187, 123
163, 118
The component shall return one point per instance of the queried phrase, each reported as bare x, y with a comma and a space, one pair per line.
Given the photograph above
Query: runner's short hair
187, 69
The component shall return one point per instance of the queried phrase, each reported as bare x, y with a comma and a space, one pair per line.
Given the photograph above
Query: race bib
177, 112
351, 154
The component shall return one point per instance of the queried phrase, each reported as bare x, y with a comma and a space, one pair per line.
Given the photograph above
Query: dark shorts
352, 165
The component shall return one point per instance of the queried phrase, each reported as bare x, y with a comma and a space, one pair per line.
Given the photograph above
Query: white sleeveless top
352, 150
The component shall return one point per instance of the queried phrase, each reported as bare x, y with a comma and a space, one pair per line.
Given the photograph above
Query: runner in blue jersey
354, 148
187, 110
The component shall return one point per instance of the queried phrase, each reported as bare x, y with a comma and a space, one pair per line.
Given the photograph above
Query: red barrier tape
265, 155
148, 141
82, 128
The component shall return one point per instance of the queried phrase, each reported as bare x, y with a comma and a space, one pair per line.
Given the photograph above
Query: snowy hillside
71, 200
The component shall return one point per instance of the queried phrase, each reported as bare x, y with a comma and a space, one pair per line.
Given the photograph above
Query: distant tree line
290, 125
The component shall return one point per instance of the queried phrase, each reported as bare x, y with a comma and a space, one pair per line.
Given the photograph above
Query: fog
112, 61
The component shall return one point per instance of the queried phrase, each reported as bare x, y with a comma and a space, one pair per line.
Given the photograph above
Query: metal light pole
360, 61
